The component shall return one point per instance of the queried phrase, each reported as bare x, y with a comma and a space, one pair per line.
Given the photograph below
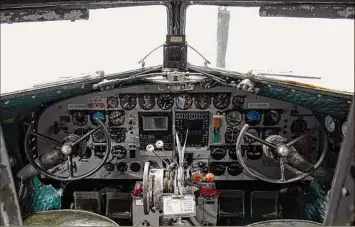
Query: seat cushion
68, 218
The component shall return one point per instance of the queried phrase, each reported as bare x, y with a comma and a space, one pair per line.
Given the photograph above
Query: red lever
137, 191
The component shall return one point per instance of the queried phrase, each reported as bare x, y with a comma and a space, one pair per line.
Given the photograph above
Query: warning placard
183, 206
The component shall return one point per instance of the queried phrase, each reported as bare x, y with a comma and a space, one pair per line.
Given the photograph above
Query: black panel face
196, 124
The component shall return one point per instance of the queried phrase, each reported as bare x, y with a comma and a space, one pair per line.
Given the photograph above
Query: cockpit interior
176, 144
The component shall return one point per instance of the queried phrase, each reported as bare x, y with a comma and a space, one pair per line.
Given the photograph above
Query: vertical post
222, 36
10, 212
340, 210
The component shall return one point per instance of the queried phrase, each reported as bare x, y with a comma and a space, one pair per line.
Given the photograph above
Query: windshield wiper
142, 61
289, 74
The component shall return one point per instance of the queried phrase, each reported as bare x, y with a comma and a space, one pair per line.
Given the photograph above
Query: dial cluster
183, 101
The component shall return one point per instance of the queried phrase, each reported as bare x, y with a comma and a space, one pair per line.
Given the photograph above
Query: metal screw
344, 192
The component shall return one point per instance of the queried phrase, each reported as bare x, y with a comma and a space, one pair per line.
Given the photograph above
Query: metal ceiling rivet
344, 192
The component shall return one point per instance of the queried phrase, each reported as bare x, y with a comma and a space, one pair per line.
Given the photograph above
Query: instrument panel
140, 115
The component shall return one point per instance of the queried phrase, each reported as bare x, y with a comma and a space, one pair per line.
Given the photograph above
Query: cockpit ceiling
91, 4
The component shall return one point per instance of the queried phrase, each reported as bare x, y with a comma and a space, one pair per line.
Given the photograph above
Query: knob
205, 169
149, 148
145, 223
159, 144
201, 164
122, 167
109, 166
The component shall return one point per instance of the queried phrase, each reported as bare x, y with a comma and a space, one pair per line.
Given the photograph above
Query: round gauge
250, 140
184, 101
344, 128
253, 117
80, 118
299, 127
98, 136
118, 134
231, 135
97, 115
221, 101
100, 151
112, 102
165, 102
218, 169
270, 132
82, 131
271, 118
255, 152
238, 101
329, 123
234, 169
119, 152
218, 153
146, 102
234, 118
233, 153
116, 118
202, 101
128, 102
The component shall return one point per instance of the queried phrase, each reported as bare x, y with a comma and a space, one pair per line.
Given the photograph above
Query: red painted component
138, 190
208, 191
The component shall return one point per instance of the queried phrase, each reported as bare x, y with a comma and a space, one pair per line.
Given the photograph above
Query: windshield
307, 47
112, 40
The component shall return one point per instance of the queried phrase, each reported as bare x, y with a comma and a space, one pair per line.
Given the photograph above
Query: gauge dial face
98, 136
202, 101
165, 102
270, 132
329, 123
184, 101
344, 128
80, 118
250, 140
118, 134
272, 117
119, 152
116, 118
147, 102
232, 152
238, 101
99, 115
299, 127
231, 135
112, 102
234, 118
82, 131
253, 117
221, 101
100, 151
128, 102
